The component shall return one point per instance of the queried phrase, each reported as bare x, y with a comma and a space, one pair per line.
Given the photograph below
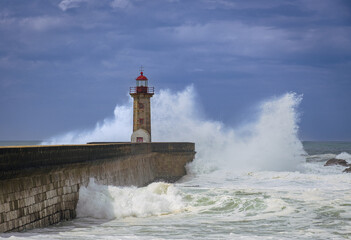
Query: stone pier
39, 185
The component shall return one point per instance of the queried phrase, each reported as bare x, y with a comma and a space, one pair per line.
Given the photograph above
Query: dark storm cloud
60, 56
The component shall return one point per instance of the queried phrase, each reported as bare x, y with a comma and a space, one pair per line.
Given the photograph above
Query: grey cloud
42, 23
260, 47
67, 4
120, 3
64, 5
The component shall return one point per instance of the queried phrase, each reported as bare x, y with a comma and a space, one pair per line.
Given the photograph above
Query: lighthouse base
141, 135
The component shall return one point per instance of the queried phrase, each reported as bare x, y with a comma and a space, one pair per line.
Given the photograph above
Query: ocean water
312, 203
253, 181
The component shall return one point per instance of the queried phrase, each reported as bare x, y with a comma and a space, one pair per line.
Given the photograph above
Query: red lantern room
142, 85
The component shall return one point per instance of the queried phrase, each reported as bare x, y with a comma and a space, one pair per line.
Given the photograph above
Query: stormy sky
65, 64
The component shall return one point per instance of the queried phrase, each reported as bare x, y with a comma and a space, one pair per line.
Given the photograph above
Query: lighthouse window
141, 83
141, 120
141, 106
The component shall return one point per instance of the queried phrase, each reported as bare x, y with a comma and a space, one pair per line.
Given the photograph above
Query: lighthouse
141, 95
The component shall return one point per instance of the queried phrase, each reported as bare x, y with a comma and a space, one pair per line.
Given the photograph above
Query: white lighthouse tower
141, 94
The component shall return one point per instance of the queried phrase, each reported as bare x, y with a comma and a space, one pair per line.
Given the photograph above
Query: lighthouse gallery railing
141, 90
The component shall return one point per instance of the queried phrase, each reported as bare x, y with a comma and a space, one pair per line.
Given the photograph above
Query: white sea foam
344, 155
109, 202
268, 143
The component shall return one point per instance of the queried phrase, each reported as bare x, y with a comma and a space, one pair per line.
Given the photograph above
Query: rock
335, 161
347, 170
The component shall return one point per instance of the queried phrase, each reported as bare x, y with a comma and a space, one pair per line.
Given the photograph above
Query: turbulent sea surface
256, 181
311, 203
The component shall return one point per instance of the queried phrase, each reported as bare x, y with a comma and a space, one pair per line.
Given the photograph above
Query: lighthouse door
140, 139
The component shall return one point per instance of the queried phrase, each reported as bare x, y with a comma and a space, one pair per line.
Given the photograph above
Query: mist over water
268, 143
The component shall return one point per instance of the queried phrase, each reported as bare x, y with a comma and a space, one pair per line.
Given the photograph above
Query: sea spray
345, 156
109, 202
269, 143
113, 129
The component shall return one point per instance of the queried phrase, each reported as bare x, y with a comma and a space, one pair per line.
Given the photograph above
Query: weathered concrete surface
39, 185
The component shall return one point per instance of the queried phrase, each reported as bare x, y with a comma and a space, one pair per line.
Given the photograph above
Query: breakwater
39, 185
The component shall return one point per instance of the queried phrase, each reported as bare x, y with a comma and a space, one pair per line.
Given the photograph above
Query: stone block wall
39, 185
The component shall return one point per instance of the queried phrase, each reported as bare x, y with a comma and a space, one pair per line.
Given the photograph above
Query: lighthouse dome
141, 77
